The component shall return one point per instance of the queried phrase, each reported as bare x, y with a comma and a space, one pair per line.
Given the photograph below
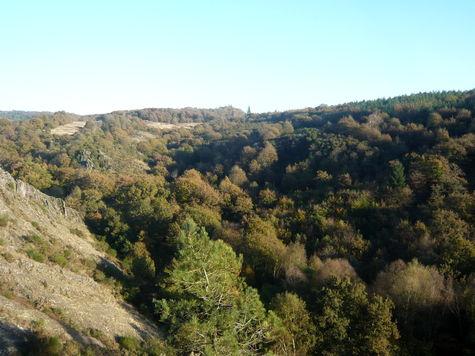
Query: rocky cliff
53, 272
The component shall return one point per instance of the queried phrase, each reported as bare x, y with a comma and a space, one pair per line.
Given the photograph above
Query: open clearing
76, 126
166, 126
69, 129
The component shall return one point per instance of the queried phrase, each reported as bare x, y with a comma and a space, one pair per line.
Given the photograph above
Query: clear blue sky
99, 56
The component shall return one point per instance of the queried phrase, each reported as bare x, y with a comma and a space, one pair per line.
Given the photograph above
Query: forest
330, 230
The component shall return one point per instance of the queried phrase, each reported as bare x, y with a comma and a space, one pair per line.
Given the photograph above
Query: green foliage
143, 268
300, 330
129, 343
4, 220
76, 232
112, 252
416, 290
397, 177
311, 182
38, 256
213, 312
36, 238
59, 260
348, 323
51, 346
89, 264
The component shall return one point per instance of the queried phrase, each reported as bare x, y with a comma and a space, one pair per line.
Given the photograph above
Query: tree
238, 176
300, 336
349, 324
213, 311
418, 292
397, 179
287, 128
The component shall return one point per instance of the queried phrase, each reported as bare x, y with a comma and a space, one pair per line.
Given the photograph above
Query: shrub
60, 260
9, 257
67, 254
36, 238
129, 343
77, 232
35, 255
4, 220
39, 324
99, 335
50, 346
89, 264
99, 275
2, 242
35, 225
111, 252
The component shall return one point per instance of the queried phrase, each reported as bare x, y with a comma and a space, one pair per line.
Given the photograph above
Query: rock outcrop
59, 289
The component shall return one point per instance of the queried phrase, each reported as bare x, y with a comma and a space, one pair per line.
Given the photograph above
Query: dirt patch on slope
64, 294
69, 129
166, 126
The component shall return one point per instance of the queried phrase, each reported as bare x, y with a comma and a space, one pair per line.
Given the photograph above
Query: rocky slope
52, 273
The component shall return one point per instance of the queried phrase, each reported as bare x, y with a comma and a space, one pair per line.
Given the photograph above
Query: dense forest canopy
22, 115
332, 230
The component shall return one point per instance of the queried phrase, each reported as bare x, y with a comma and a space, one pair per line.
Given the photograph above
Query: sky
92, 57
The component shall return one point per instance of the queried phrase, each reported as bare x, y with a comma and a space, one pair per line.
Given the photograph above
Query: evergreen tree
213, 311
397, 179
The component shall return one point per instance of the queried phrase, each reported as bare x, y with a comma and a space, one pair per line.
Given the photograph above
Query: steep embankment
52, 272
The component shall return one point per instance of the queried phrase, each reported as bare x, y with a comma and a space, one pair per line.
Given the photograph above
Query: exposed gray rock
38, 288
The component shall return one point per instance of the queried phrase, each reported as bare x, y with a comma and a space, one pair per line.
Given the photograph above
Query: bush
99, 275
9, 257
111, 252
35, 225
4, 220
89, 264
129, 343
67, 254
77, 232
60, 260
35, 255
2, 242
45, 345
36, 238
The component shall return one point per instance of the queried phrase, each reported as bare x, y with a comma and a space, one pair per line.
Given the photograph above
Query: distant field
69, 129
165, 126
76, 126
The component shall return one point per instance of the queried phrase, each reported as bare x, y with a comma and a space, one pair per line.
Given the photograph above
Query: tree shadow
13, 339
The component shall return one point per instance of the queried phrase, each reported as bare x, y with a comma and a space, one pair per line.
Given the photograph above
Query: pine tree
397, 177
213, 311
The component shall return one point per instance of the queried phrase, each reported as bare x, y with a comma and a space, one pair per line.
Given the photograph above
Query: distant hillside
22, 115
175, 116
364, 211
